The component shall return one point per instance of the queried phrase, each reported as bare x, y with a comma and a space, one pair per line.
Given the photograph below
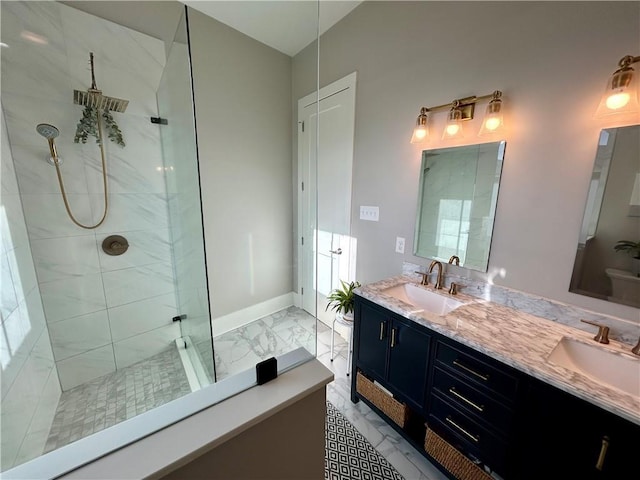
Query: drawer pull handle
464, 367
603, 453
480, 408
475, 438
393, 337
382, 330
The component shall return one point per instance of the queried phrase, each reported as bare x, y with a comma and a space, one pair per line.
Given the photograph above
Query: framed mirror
611, 215
457, 203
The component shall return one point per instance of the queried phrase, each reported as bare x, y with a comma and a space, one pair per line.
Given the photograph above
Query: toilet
625, 287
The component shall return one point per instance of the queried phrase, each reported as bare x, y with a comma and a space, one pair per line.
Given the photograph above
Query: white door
326, 252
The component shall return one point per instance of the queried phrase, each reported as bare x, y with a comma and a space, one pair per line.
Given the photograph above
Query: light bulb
420, 131
492, 123
452, 129
419, 134
617, 100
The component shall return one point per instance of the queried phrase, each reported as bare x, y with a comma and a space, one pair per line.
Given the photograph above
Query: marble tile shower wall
103, 312
30, 386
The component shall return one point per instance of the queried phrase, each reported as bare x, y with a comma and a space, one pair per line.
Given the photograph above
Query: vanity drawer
467, 436
471, 400
477, 369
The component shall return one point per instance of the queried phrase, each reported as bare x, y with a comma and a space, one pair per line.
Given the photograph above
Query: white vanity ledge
518, 339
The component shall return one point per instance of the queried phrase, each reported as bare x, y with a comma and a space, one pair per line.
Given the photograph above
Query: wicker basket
455, 462
396, 411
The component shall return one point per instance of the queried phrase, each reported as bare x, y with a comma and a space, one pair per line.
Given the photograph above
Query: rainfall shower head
94, 98
47, 131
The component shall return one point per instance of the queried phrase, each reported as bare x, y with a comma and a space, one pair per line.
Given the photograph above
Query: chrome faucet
454, 259
439, 280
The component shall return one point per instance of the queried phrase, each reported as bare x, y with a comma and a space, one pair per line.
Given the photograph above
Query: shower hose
104, 182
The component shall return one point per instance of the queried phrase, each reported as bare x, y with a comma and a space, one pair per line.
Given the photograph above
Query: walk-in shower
122, 310
88, 338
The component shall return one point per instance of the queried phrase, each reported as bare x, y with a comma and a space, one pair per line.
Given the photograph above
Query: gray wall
551, 60
242, 91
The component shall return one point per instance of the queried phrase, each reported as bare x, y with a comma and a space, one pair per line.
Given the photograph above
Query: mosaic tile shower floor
113, 398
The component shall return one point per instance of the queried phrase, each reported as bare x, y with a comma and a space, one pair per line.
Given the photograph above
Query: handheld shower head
47, 131
50, 132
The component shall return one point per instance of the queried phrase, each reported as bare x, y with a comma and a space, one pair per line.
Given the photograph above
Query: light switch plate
371, 214
399, 245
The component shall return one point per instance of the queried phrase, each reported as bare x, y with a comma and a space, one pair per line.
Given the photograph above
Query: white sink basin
605, 367
423, 299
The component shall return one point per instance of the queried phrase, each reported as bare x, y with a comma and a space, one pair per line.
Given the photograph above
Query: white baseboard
297, 299
322, 315
247, 315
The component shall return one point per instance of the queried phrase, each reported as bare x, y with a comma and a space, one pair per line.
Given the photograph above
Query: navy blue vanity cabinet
500, 418
563, 436
389, 349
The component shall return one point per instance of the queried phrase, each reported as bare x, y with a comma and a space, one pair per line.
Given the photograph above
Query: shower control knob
115, 245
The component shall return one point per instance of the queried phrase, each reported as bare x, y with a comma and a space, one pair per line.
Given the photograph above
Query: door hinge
301, 290
303, 186
302, 240
302, 126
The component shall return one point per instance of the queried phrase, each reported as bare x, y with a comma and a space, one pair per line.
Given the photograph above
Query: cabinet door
567, 437
408, 359
374, 325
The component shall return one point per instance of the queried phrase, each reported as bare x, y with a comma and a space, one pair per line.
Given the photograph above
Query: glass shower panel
87, 335
177, 131
245, 124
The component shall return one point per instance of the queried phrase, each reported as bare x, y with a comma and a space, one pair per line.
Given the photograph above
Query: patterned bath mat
349, 456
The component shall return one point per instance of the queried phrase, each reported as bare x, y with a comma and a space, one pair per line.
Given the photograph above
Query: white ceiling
287, 26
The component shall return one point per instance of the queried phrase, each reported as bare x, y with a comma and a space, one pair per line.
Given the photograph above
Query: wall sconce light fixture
421, 131
493, 120
453, 129
460, 111
621, 94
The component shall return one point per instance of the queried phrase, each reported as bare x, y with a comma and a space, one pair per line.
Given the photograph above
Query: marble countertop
518, 339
